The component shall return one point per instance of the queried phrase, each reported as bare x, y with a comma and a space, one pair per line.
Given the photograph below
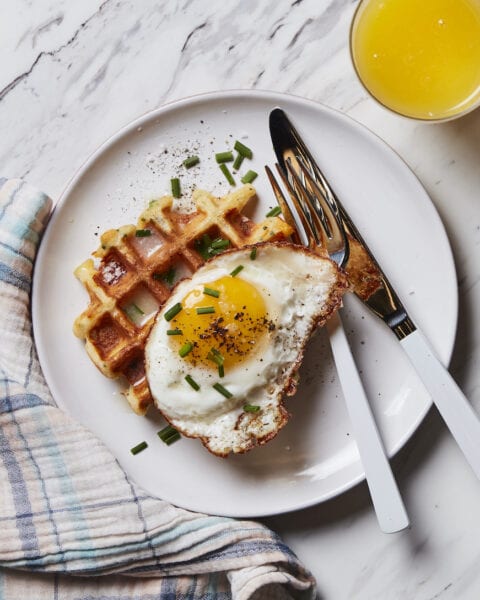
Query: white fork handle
451, 402
388, 504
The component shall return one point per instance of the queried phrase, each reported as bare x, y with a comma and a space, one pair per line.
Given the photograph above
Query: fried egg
225, 349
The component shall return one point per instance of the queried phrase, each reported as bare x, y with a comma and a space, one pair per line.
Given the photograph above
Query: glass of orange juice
419, 58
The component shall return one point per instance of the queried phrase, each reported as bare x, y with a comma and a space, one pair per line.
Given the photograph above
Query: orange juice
420, 58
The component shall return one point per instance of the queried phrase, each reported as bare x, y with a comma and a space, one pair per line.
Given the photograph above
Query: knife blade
372, 286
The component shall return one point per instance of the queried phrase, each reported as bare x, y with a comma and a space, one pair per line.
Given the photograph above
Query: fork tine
284, 206
297, 194
311, 239
323, 190
323, 205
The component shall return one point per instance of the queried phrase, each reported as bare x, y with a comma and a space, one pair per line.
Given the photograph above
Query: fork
317, 225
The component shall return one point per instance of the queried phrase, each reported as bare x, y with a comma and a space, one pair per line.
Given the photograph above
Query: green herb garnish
173, 312
133, 311
210, 292
215, 356
251, 408
208, 248
185, 349
143, 233
191, 381
228, 176
220, 244
223, 157
237, 163
168, 277
243, 150
191, 161
236, 270
174, 332
276, 210
205, 310
249, 177
139, 448
202, 246
253, 253
221, 390
175, 184
168, 435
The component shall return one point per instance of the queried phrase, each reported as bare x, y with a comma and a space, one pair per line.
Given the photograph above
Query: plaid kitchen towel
72, 525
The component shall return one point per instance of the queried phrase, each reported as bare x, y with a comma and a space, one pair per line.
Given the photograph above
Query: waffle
136, 266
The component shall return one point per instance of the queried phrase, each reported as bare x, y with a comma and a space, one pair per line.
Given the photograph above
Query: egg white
297, 286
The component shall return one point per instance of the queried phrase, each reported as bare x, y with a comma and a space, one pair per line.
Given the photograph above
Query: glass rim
468, 110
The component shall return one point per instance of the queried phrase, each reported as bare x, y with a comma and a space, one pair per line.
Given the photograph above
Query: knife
372, 286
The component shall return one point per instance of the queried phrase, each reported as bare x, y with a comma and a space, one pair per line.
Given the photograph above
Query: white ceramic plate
314, 458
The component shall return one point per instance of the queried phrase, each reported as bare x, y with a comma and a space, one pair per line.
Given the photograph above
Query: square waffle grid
131, 277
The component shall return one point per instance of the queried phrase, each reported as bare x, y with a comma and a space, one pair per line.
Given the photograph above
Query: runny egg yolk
236, 328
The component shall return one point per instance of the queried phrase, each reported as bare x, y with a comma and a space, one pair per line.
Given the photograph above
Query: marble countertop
74, 72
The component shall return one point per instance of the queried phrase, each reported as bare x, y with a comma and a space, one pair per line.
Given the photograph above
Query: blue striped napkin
68, 510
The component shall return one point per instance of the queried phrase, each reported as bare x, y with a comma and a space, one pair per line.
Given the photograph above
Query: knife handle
451, 402
388, 504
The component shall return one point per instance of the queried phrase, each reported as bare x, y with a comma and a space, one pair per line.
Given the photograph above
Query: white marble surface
74, 72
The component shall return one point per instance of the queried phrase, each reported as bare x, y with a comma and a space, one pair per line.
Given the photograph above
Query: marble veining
72, 73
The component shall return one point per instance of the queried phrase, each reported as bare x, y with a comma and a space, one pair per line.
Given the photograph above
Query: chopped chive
276, 210
166, 431
221, 371
173, 312
228, 175
236, 270
134, 313
253, 253
135, 308
174, 332
237, 163
249, 177
191, 161
143, 233
220, 244
243, 150
139, 448
210, 292
169, 435
208, 248
185, 349
168, 277
215, 356
223, 157
172, 439
202, 246
191, 381
175, 183
251, 408
205, 310
214, 251
221, 390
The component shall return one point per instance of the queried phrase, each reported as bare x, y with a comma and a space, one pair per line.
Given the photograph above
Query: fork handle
386, 498
451, 402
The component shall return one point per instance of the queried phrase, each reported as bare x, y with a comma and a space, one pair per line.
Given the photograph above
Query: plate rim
275, 97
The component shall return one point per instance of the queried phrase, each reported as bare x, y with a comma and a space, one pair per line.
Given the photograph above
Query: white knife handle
386, 498
451, 402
